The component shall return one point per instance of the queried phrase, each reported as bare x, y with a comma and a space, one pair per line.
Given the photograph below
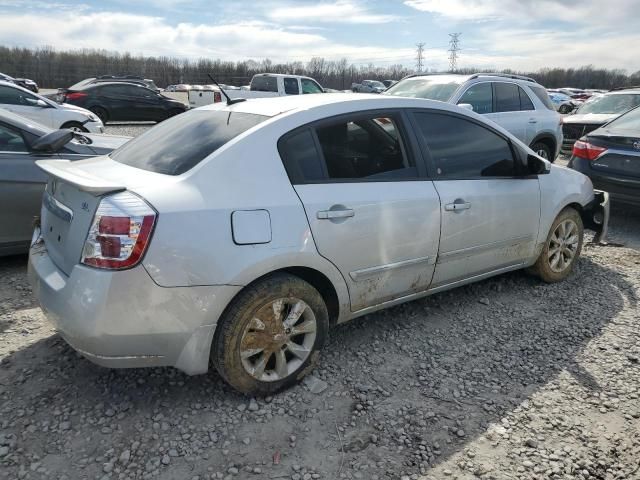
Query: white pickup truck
262, 85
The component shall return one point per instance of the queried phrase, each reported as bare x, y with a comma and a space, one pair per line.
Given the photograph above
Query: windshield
180, 143
432, 88
610, 104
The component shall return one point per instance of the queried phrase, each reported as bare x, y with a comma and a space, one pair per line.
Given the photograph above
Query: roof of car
120, 83
273, 106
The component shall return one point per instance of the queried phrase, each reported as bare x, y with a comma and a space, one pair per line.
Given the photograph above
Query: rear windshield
178, 144
628, 121
611, 104
431, 88
264, 84
543, 96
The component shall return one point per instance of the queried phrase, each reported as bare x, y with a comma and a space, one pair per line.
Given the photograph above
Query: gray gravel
505, 379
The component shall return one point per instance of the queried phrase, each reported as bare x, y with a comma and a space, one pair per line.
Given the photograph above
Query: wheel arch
549, 140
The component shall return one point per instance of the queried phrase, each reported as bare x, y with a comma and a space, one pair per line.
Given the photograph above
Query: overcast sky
518, 34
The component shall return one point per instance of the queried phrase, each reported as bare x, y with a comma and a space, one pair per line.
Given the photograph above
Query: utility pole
420, 57
454, 48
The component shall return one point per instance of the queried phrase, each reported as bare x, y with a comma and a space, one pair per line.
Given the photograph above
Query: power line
454, 48
419, 57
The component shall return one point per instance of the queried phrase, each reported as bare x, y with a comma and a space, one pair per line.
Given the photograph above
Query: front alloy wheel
562, 247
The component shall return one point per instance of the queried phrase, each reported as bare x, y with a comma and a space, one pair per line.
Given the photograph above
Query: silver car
237, 234
22, 142
518, 104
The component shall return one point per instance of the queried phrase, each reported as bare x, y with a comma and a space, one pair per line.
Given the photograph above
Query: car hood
68, 106
595, 118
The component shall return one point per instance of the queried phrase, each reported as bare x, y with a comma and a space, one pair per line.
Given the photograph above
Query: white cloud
341, 11
139, 34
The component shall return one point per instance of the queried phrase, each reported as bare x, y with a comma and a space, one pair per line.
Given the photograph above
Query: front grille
574, 131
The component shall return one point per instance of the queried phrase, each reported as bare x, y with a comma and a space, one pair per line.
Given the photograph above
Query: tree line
52, 68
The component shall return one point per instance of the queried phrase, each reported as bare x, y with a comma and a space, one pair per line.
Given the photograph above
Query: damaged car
234, 236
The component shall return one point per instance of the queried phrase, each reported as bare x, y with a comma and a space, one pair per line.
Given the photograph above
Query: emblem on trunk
636, 144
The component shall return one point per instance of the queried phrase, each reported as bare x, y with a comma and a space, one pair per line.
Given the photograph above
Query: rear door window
480, 97
291, 86
507, 97
366, 147
178, 144
525, 101
543, 96
264, 84
300, 157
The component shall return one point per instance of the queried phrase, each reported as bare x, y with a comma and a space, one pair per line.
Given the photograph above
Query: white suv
518, 104
47, 112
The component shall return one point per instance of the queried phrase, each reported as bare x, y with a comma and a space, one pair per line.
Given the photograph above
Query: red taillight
217, 97
583, 149
75, 96
120, 232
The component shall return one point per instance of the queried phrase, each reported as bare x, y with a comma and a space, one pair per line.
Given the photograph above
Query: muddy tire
562, 247
270, 336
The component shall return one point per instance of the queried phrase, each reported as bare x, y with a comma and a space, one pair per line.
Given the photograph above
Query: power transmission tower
420, 57
454, 48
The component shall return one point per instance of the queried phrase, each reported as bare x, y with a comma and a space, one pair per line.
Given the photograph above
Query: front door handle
457, 206
533, 120
332, 214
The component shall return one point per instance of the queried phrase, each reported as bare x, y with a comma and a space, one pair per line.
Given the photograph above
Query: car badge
636, 144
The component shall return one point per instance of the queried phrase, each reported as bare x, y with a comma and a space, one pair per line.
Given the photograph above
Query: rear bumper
123, 319
621, 189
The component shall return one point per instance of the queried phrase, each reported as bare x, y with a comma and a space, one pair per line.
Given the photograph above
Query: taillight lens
217, 97
583, 149
120, 232
75, 96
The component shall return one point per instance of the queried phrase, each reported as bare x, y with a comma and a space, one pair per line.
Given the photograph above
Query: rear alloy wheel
543, 150
101, 113
270, 336
562, 248
75, 127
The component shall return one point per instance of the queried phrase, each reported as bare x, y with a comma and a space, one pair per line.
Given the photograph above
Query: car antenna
229, 100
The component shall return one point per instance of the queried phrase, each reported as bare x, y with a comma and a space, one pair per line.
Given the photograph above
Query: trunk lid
622, 156
72, 195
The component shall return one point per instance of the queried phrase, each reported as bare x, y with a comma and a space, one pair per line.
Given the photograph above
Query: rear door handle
331, 214
457, 206
533, 120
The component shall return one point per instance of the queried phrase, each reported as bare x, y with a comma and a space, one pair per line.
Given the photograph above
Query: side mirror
466, 106
537, 166
52, 142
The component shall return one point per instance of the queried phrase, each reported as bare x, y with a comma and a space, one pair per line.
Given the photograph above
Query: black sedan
22, 142
124, 102
610, 156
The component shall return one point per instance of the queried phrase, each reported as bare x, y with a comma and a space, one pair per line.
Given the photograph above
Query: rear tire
258, 351
543, 150
101, 114
562, 247
75, 126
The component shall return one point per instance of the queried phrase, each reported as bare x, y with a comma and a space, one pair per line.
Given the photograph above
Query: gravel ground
504, 379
